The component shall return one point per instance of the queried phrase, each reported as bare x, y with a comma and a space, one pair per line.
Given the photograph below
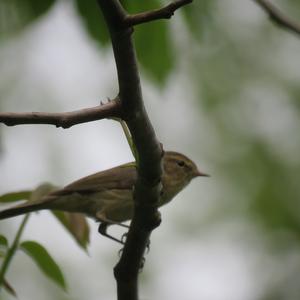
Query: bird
107, 196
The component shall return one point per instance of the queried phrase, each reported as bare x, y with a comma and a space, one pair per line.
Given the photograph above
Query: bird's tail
20, 210
38, 200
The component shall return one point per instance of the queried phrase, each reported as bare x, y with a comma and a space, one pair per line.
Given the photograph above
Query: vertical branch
149, 152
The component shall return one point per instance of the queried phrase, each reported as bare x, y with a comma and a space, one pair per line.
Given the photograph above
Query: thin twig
66, 119
278, 17
12, 250
163, 13
129, 140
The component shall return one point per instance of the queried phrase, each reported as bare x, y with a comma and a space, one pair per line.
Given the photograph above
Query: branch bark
163, 13
147, 188
65, 120
278, 17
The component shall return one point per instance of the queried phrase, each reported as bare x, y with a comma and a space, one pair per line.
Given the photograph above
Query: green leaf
154, 50
32, 195
16, 14
93, 20
153, 42
77, 225
3, 241
44, 261
198, 17
35, 8
15, 196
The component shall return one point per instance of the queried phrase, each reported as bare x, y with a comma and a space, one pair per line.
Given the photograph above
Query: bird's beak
198, 173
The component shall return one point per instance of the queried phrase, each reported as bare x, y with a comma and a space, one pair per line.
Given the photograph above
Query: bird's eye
181, 163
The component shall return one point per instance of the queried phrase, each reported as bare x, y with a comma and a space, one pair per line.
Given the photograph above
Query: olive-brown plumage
107, 196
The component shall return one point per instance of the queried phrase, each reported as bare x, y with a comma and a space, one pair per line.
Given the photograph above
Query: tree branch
66, 119
149, 152
278, 17
163, 13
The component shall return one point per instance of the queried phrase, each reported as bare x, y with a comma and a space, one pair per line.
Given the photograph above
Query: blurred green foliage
251, 97
199, 17
15, 196
93, 21
229, 68
153, 42
44, 261
16, 14
75, 224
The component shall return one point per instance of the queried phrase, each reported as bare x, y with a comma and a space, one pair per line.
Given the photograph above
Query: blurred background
221, 85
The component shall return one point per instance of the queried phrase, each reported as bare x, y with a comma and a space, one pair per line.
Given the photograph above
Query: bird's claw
148, 247
142, 264
124, 237
120, 252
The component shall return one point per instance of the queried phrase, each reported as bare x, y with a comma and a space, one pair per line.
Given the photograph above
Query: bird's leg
120, 224
102, 229
105, 222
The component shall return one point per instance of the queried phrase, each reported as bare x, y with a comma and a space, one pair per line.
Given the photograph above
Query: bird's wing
121, 177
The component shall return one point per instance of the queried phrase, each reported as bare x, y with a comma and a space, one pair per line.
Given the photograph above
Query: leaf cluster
76, 225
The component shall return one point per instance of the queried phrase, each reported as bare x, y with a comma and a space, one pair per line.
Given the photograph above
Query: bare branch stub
163, 13
278, 17
111, 109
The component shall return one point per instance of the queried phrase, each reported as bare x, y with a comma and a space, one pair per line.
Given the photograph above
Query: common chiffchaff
107, 196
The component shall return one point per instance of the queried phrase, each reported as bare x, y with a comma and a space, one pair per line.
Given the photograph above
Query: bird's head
178, 171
